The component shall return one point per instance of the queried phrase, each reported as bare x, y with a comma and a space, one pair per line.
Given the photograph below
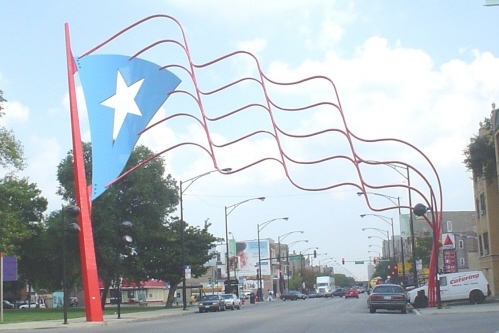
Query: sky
421, 72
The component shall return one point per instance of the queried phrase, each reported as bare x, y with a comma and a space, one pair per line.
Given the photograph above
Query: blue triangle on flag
99, 75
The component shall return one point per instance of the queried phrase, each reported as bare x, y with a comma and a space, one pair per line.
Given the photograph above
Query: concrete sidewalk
108, 319
491, 304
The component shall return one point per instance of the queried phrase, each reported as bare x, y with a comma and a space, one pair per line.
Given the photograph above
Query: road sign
294, 258
359, 263
187, 269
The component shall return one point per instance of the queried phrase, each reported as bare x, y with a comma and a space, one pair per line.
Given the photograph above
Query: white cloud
15, 113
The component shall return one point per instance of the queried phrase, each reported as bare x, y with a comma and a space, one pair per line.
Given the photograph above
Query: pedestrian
270, 295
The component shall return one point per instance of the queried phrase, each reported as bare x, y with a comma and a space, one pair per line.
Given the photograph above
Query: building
486, 194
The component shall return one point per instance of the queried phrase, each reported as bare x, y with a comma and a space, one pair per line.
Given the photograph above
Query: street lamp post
228, 210
289, 246
126, 239
388, 220
73, 228
381, 231
182, 226
259, 228
301, 259
279, 239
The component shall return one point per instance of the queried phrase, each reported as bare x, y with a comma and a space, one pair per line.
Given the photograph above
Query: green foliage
20, 205
11, 150
146, 198
423, 249
480, 156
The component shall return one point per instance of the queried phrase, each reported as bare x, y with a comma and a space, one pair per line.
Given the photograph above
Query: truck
471, 285
324, 286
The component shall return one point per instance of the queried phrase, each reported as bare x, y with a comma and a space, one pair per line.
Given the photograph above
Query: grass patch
27, 315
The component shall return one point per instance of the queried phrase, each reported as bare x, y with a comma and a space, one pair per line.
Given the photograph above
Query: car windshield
210, 298
227, 296
387, 289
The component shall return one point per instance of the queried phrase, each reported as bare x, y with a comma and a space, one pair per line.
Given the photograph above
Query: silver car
232, 301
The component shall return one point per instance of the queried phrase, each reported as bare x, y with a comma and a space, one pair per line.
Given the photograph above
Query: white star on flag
123, 102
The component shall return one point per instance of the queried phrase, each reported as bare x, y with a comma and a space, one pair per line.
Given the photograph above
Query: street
311, 315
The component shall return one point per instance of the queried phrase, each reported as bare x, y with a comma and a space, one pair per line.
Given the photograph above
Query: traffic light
315, 254
210, 280
375, 260
342, 261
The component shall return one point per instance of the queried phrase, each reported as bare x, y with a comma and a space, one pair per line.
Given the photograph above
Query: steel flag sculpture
123, 93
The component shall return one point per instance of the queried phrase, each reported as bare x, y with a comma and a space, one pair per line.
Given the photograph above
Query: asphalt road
311, 315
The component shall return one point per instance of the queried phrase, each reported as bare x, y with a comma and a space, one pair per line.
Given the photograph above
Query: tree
480, 153
20, 205
161, 256
11, 150
423, 249
145, 197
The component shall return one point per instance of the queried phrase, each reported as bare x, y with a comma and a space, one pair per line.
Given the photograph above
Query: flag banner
122, 95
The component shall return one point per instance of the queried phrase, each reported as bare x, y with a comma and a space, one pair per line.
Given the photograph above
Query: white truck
324, 286
456, 286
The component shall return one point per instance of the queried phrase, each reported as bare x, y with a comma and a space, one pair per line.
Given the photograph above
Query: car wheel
296, 298
476, 297
372, 309
232, 307
404, 311
200, 311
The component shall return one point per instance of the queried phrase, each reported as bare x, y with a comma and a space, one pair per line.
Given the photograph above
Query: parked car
471, 285
388, 297
211, 303
8, 305
31, 306
232, 301
351, 293
73, 301
293, 295
340, 292
313, 294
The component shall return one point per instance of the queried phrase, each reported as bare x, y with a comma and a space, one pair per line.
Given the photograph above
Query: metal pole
227, 286
393, 242
64, 277
182, 245
260, 296
411, 224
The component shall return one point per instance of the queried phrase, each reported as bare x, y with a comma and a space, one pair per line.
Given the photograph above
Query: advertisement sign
448, 241
247, 258
450, 262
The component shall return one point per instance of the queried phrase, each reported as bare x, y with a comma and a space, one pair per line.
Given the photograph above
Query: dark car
211, 303
387, 297
340, 292
313, 294
8, 305
293, 295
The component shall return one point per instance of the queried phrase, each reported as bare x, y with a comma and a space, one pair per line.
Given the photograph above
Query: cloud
15, 113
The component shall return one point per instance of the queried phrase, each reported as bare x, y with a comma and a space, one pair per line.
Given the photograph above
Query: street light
316, 255
126, 239
388, 220
73, 228
182, 227
289, 246
259, 228
279, 239
411, 220
301, 258
228, 210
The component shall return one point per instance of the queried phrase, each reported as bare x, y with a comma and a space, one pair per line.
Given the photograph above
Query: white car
32, 306
232, 301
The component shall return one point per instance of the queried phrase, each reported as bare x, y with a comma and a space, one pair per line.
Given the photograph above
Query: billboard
247, 258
